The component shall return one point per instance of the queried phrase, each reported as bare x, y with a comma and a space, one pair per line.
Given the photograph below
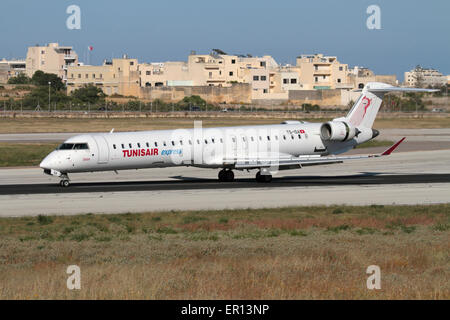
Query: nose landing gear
65, 182
226, 175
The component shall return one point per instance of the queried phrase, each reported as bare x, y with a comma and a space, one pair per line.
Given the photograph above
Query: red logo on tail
366, 104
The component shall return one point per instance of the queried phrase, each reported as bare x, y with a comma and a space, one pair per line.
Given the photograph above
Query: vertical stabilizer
365, 110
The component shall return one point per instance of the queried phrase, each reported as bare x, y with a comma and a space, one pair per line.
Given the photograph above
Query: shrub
44, 220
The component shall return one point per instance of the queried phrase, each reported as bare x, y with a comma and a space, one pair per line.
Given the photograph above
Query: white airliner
265, 148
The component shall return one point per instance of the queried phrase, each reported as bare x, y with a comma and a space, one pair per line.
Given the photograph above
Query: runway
421, 177
191, 183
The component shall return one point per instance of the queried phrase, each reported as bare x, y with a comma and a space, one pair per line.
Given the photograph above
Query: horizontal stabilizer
392, 148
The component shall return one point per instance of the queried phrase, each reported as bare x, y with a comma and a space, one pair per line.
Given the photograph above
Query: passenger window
173, 143
130, 145
251, 138
268, 138
114, 146
292, 137
123, 147
276, 137
181, 142
148, 146
156, 144
260, 138
190, 142
284, 137
198, 141
139, 145
206, 141
164, 143
233, 139
212, 140
221, 140
299, 136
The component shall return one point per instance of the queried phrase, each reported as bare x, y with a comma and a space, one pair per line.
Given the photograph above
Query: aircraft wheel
263, 177
64, 183
229, 176
222, 174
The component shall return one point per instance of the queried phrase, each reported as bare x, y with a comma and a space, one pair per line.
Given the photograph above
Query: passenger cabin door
103, 149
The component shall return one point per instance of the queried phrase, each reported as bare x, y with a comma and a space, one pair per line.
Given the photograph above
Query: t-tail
344, 133
365, 110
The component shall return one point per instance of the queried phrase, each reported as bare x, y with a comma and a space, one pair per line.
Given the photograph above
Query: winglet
392, 148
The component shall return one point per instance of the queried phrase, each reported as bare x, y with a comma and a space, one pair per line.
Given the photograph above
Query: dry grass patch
285, 253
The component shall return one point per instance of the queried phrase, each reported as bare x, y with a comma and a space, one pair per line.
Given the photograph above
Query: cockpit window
81, 146
66, 146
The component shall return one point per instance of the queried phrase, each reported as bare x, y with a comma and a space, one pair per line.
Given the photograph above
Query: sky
412, 32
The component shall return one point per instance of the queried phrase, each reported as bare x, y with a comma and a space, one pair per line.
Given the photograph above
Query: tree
88, 94
21, 78
41, 78
39, 96
192, 101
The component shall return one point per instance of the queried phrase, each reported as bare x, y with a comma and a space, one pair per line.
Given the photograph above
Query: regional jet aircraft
264, 148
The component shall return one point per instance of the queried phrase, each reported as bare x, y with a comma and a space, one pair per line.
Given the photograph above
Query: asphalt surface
186, 183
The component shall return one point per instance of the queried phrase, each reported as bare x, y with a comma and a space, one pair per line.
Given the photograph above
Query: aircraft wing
302, 161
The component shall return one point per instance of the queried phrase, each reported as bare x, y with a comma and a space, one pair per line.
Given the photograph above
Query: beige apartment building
119, 76
52, 58
213, 69
322, 72
423, 77
360, 76
11, 68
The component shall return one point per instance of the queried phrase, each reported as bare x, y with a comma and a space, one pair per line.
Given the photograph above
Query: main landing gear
226, 175
65, 182
263, 176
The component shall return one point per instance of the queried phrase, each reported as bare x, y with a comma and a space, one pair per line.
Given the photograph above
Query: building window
263, 78
316, 79
42, 52
210, 75
339, 80
255, 78
262, 64
340, 68
148, 73
86, 76
101, 76
231, 73
285, 81
293, 81
131, 63
93, 76
233, 61
265, 91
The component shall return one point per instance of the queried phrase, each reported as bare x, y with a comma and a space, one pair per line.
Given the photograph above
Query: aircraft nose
48, 162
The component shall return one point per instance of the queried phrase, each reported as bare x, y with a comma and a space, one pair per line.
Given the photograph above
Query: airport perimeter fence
137, 107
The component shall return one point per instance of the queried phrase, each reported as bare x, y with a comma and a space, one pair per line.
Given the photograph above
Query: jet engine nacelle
337, 131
